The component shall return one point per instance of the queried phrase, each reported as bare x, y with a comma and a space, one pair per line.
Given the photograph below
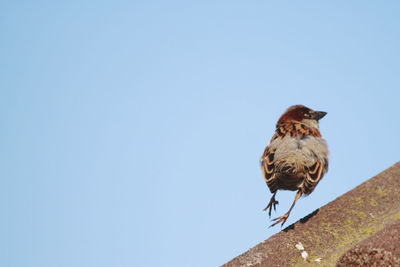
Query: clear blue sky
131, 132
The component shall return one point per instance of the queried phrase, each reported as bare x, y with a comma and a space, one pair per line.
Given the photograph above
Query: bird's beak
319, 115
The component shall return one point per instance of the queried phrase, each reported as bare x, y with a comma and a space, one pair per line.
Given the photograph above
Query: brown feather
294, 113
269, 170
313, 176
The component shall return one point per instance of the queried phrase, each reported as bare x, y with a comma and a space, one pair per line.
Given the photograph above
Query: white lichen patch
299, 246
304, 254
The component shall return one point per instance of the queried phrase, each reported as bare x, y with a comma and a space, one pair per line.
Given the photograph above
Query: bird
297, 156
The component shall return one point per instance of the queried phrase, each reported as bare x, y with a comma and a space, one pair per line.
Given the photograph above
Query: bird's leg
284, 217
272, 203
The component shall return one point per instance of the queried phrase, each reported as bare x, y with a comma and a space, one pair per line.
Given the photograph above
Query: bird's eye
307, 115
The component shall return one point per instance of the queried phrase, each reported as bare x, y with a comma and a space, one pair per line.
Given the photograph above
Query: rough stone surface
328, 232
381, 249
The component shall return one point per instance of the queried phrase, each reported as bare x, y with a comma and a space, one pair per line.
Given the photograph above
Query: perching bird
296, 158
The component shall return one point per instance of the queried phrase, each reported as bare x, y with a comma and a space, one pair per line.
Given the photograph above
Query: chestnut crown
298, 113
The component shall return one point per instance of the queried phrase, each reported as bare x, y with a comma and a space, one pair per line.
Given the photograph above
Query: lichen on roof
327, 233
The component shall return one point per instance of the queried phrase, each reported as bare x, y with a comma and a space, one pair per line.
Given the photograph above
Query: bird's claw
280, 219
272, 203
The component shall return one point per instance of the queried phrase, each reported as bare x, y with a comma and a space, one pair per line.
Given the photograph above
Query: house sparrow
296, 158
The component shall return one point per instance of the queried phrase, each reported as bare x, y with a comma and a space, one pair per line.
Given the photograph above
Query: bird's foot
272, 203
280, 219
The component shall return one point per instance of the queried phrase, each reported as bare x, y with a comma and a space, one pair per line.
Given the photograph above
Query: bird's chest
294, 155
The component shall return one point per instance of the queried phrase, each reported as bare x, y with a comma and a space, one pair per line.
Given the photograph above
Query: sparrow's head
302, 114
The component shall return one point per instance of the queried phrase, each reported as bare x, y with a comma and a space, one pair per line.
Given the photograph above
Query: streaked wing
268, 167
314, 175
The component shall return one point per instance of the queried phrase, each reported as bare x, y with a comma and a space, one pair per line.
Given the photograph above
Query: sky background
131, 132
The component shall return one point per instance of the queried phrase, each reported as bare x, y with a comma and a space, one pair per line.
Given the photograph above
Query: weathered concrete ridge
381, 249
327, 233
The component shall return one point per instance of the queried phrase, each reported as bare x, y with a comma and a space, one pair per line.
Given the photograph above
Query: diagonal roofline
331, 230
